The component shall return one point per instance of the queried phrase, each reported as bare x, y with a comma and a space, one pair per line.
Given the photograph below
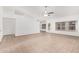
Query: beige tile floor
40, 43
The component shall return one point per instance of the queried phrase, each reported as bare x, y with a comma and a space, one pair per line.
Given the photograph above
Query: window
66, 26
60, 26
57, 26
72, 25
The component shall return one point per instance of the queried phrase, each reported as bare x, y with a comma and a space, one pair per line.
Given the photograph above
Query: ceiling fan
47, 13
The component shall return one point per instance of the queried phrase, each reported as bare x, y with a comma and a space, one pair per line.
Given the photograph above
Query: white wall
1, 29
66, 18
16, 20
9, 20
26, 24
0, 20
8, 26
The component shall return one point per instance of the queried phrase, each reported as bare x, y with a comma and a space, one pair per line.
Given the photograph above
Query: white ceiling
67, 10
59, 11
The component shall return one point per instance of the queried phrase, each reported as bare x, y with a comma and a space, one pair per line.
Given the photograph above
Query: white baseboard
26, 34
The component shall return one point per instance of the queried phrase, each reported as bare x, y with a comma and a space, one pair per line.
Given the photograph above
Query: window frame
65, 26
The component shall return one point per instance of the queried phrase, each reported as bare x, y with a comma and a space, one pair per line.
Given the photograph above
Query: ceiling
59, 11
66, 10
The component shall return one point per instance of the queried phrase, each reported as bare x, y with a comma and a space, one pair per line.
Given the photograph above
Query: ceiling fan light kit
46, 13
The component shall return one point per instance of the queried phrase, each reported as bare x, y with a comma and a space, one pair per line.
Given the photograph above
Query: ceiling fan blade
50, 12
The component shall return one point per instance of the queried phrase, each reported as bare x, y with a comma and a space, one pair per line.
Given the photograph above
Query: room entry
43, 28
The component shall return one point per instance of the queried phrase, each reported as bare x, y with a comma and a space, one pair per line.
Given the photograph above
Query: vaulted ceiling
59, 11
